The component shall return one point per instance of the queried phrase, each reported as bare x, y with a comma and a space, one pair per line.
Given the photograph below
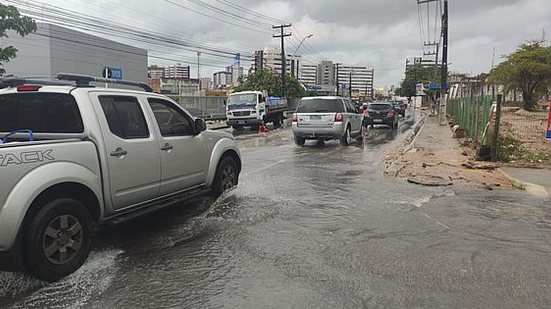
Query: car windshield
320, 106
243, 99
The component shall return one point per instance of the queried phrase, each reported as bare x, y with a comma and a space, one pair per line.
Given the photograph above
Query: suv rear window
379, 107
320, 106
40, 112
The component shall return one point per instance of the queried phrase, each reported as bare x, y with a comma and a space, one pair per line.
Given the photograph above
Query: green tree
268, 80
416, 74
527, 70
10, 19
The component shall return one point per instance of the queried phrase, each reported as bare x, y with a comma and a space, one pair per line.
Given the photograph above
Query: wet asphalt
317, 227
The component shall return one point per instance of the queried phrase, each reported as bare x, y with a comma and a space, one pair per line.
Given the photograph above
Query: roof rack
84, 80
15, 81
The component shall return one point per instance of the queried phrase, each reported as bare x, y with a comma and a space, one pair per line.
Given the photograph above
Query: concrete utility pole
199, 69
282, 35
350, 85
443, 85
337, 77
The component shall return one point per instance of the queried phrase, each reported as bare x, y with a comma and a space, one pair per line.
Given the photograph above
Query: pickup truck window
124, 116
40, 112
171, 121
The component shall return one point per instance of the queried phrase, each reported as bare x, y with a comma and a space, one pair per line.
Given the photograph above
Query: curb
529, 187
394, 167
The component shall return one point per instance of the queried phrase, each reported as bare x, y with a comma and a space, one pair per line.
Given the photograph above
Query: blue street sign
436, 86
113, 73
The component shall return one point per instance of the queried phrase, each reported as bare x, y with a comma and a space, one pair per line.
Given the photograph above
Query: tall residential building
177, 71
362, 79
270, 58
308, 74
236, 72
325, 74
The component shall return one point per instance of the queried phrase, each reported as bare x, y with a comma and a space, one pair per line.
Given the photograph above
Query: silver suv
326, 118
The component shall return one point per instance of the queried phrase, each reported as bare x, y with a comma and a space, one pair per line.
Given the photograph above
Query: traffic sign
113, 73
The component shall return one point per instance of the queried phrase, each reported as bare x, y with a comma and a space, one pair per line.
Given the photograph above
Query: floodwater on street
316, 227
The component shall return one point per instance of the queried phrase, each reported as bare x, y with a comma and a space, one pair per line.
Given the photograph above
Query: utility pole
350, 85
443, 85
337, 77
282, 35
199, 69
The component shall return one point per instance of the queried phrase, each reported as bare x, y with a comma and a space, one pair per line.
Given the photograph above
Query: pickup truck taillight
26, 88
338, 117
295, 118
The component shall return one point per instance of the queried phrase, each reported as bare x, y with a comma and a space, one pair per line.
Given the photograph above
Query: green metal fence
472, 115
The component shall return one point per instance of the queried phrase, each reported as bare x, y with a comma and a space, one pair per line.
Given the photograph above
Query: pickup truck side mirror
200, 125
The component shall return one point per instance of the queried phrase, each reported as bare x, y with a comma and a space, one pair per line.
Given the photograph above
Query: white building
270, 58
362, 79
154, 71
177, 71
236, 72
221, 79
53, 49
308, 74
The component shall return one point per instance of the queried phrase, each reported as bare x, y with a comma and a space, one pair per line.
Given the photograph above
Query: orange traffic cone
263, 129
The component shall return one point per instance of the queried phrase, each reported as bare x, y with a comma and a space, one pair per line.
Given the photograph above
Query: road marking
264, 167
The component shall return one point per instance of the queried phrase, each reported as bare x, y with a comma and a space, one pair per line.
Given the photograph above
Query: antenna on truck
85, 80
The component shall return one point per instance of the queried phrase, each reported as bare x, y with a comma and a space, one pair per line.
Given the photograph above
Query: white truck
254, 108
74, 156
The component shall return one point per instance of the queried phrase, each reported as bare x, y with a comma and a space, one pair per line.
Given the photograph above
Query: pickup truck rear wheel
58, 239
226, 176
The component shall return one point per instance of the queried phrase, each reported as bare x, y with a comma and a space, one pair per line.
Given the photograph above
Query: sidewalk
536, 181
435, 154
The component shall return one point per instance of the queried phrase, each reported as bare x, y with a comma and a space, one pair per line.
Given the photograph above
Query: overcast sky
378, 33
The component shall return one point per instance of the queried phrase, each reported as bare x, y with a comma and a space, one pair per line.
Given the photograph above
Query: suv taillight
295, 118
338, 117
25, 88
366, 113
391, 113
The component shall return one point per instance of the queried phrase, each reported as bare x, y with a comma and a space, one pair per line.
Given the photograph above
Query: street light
304, 39
296, 50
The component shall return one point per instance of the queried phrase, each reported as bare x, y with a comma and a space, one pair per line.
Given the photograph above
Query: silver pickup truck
74, 157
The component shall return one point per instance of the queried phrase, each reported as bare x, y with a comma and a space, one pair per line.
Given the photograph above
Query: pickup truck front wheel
58, 239
226, 177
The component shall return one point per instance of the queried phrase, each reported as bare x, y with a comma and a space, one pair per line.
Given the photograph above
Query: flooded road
316, 227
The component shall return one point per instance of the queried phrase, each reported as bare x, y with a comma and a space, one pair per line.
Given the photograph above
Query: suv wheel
227, 176
299, 141
360, 136
58, 239
346, 139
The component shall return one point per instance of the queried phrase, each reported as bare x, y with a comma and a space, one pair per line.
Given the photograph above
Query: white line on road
264, 167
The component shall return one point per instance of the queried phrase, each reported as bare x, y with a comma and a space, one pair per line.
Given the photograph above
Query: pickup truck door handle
119, 152
167, 147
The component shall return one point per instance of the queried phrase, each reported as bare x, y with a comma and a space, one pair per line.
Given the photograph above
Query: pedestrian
434, 105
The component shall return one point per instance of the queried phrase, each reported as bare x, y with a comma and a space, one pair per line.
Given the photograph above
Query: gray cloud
380, 33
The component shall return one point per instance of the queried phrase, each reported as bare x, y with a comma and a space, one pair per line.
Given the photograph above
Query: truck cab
254, 108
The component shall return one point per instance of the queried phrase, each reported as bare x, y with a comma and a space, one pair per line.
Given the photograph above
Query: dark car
400, 107
380, 113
